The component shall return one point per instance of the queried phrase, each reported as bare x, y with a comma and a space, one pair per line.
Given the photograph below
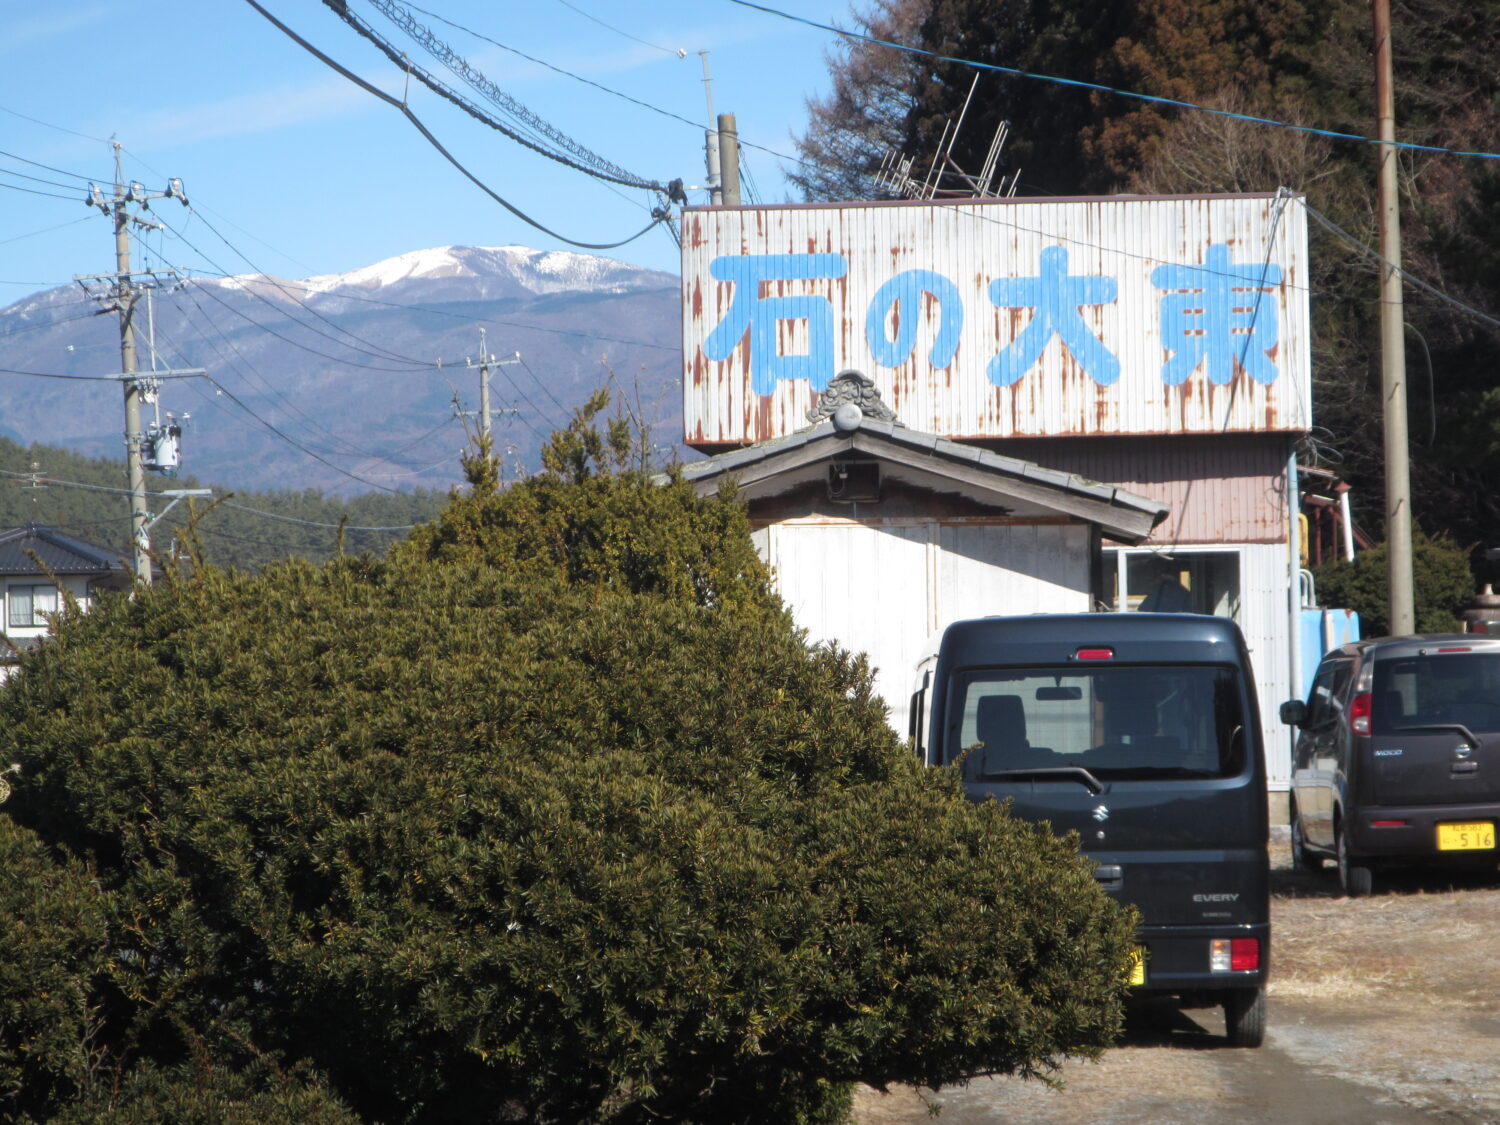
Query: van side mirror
1294, 712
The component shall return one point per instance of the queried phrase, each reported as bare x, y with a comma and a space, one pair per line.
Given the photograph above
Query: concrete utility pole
124, 293
711, 143
484, 362
1402, 611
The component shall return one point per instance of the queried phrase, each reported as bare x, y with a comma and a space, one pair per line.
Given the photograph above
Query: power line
590, 162
436, 144
1406, 275
610, 27
1097, 87
370, 348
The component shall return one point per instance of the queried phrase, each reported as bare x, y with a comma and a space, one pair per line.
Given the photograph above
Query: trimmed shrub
501, 830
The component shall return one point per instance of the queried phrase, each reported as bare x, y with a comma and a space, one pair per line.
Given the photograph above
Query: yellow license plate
1137, 974
1477, 836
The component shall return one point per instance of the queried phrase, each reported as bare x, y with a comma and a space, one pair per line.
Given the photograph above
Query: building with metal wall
1157, 345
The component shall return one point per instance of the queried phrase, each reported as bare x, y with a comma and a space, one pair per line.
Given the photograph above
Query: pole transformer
123, 293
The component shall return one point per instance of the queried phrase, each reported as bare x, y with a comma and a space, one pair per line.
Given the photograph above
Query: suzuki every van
1139, 732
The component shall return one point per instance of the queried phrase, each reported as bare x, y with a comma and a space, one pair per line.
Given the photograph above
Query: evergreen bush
553, 816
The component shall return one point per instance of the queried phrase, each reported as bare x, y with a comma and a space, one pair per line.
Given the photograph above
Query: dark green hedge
552, 817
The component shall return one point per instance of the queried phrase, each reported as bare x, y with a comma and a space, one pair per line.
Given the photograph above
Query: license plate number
1466, 837
1137, 973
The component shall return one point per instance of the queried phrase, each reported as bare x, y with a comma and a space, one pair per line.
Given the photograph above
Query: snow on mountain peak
540, 271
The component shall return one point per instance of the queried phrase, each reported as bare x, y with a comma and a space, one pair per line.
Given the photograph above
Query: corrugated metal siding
884, 590
1265, 621
1226, 489
1107, 291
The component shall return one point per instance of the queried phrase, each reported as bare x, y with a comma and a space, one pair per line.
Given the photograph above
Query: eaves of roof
1120, 514
35, 549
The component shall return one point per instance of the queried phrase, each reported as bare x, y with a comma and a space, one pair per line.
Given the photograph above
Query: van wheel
1357, 880
1302, 859
1245, 1017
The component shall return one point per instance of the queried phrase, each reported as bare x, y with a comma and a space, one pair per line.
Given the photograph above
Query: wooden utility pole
729, 159
1402, 612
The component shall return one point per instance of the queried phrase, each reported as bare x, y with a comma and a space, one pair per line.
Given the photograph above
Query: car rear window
1435, 689
1120, 722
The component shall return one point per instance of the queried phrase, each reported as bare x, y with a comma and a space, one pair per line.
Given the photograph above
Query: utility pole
1402, 610
484, 362
124, 293
711, 149
729, 159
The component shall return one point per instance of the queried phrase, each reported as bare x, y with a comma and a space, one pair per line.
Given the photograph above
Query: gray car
1398, 757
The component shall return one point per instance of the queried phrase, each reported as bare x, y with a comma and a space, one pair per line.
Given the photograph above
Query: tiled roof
58, 552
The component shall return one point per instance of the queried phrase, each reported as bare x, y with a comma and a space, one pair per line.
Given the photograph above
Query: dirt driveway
1383, 1010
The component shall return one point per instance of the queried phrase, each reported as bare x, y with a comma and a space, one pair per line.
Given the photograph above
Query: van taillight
1094, 654
1234, 955
1359, 713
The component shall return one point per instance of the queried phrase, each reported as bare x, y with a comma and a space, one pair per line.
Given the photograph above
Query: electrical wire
45, 230
1376, 255
48, 167
409, 363
610, 27
591, 162
1102, 89
52, 482
49, 125
313, 523
697, 125
435, 143
369, 347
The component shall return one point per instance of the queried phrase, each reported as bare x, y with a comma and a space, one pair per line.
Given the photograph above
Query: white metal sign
1001, 318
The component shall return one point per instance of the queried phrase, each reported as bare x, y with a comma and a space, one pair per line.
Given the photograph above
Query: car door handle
1110, 876
1464, 767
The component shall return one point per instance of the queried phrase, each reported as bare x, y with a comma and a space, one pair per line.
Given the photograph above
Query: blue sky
294, 170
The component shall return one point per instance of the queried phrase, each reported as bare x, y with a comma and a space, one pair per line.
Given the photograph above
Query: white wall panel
884, 589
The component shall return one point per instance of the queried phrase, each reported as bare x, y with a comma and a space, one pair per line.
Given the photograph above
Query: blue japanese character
1056, 297
903, 293
1205, 318
748, 309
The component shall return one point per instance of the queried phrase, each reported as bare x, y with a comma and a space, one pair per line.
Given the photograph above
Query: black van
1398, 757
1140, 732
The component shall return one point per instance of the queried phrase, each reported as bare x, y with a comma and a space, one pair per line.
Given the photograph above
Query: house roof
35, 549
1023, 487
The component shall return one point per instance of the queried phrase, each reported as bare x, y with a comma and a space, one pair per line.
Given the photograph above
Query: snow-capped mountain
346, 382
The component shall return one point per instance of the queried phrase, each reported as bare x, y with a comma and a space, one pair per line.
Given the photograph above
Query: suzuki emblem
1101, 814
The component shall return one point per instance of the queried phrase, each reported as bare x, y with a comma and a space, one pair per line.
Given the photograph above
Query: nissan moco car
1139, 732
1397, 758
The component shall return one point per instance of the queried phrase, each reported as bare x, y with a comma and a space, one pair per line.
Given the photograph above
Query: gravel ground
1383, 1010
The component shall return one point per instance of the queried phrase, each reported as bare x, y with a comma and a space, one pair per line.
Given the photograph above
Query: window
1325, 706
1173, 582
1125, 722
28, 606
1453, 688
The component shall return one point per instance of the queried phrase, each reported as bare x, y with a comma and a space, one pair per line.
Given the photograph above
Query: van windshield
1118, 722
1437, 688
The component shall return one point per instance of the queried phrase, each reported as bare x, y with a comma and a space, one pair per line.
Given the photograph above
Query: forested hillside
1306, 71
87, 497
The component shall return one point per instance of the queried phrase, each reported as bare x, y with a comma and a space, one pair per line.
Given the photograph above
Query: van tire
1245, 1017
1302, 859
1356, 879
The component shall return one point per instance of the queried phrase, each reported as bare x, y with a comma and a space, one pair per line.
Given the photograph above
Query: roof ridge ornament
852, 388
